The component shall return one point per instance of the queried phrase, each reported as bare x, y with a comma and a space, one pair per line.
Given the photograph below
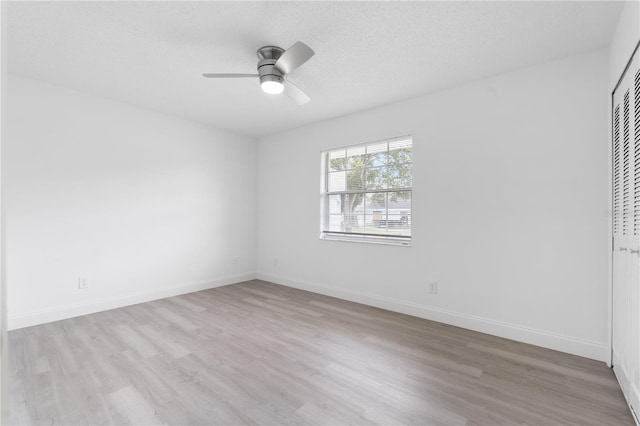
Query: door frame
609, 358
610, 150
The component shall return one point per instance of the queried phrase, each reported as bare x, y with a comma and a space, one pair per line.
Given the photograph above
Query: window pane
335, 223
348, 222
377, 154
338, 160
400, 151
355, 179
337, 181
376, 221
354, 223
400, 144
335, 204
368, 214
405, 180
399, 176
377, 178
399, 203
375, 203
353, 203
370, 221
355, 157
376, 211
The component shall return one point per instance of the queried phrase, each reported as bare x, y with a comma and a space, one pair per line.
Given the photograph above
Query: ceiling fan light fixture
272, 87
272, 84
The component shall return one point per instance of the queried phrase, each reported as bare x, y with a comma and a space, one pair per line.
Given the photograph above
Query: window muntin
367, 191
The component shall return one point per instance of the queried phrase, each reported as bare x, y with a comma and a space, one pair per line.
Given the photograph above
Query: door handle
632, 251
622, 249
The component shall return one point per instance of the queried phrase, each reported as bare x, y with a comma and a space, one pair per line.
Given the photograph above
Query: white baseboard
69, 311
629, 389
555, 341
568, 344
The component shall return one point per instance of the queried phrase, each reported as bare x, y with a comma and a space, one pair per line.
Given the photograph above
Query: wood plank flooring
260, 353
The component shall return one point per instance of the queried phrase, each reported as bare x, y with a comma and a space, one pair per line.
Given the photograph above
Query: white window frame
405, 241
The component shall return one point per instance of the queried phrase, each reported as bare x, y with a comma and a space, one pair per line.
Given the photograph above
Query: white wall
509, 206
509, 203
4, 368
141, 204
624, 41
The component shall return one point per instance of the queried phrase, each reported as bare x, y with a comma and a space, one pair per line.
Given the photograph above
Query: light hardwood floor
259, 353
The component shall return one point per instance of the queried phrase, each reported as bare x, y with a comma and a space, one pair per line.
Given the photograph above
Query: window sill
366, 240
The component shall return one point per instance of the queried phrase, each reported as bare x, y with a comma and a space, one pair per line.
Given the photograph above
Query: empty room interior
320, 213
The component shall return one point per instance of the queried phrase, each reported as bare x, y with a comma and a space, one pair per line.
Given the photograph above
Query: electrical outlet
83, 283
235, 261
433, 287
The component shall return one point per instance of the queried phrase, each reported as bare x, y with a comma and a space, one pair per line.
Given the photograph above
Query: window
366, 192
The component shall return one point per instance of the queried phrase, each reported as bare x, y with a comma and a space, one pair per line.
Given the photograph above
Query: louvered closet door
626, 233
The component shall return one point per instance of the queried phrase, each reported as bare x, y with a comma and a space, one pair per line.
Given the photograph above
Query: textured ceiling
152, 54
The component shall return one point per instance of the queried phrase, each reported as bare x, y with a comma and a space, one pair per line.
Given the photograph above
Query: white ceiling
152, 54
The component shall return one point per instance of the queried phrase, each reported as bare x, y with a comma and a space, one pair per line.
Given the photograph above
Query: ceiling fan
274, 65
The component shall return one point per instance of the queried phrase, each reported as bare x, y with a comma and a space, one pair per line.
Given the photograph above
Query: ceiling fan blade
214, 75
293, 57
296, 93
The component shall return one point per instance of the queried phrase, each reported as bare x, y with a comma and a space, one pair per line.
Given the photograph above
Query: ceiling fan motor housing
268, 56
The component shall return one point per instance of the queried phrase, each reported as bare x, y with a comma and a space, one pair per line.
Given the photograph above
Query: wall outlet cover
82, 283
